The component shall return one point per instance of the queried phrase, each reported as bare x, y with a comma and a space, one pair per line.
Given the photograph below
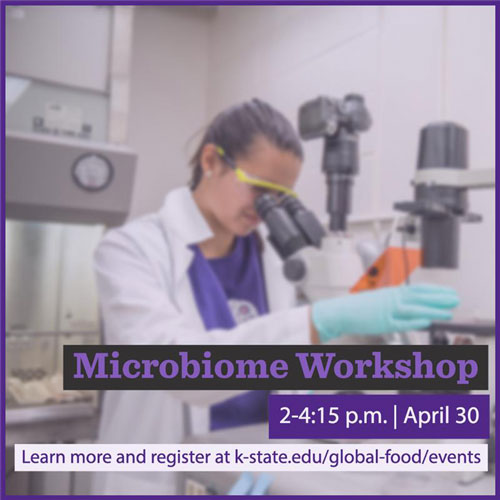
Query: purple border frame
4, 3
254, 2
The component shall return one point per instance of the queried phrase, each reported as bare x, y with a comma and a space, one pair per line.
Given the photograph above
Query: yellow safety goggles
254, 181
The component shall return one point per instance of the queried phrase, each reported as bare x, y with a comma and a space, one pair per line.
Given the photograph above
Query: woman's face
231, 201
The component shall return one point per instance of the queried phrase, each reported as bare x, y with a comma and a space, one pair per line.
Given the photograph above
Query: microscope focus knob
294, 269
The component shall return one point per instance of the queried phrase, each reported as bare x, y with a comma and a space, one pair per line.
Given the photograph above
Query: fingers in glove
410, 312
437, 300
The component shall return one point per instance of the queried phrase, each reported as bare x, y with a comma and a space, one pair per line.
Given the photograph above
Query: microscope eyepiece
284, 234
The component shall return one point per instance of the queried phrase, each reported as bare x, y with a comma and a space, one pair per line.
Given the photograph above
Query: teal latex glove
262, 484
243, 485
387, 310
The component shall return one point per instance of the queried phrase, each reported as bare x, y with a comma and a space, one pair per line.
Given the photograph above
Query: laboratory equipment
67, 180
328, 264
292, 228
439, 330
68, 176
50, 301
61, 193
322, 263
338, 121
440, 187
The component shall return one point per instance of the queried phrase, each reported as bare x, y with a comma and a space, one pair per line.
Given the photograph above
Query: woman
197, 272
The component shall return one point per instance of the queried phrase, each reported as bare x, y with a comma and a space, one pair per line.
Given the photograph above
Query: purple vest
230, 290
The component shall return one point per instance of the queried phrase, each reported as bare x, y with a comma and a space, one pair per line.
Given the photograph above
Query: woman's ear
210, 161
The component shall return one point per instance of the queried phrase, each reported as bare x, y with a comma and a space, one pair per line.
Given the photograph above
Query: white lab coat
146, 298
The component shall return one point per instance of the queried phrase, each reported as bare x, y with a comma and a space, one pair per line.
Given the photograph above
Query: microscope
440, 204
322, 262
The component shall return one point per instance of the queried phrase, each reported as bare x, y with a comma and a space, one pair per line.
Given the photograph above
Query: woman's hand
387, 310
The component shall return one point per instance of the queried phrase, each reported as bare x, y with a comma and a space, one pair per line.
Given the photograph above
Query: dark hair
235, 129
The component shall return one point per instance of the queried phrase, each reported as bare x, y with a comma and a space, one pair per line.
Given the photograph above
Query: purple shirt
228, 291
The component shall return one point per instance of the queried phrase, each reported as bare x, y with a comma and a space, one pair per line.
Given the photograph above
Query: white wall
168, 98
414, 65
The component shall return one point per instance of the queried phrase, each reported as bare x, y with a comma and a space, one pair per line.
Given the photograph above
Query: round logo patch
242, 310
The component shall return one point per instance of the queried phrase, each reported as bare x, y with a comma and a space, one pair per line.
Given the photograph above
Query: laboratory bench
337, 483
58, 423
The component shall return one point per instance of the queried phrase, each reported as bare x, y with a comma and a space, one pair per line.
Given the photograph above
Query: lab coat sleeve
137, 310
